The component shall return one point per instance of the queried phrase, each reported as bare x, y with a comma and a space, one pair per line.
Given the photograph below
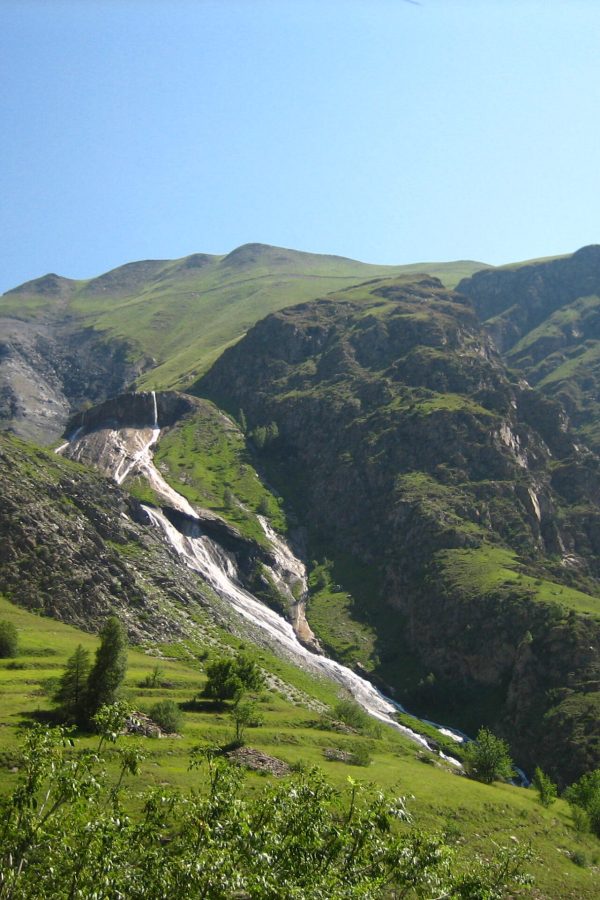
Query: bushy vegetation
9, 640
66, 832
545, 787
168, 715
487, 758
474, 816
585, 795
245, 714
227, 678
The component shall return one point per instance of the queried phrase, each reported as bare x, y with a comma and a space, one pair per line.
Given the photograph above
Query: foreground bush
66, 832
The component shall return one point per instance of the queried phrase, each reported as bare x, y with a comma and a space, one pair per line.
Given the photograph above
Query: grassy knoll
480, 571
205, 457
472, 814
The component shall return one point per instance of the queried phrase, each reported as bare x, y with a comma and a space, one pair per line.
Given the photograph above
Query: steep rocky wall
47, 371
518, 299
401, 436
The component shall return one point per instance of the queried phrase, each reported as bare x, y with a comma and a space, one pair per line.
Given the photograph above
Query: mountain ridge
151, 310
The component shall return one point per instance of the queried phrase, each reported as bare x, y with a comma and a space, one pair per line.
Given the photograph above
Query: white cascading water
209, 560
128, 463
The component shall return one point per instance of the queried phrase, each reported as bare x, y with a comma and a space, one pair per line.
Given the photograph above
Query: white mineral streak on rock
535, 503
289, 574
512, 441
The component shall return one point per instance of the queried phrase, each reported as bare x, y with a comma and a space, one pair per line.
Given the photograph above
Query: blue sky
385, 130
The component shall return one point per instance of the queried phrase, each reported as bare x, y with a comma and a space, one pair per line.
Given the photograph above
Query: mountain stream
127, 449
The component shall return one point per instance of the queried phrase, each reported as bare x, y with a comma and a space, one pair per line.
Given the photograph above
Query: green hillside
182, 313
472, 815
441, 490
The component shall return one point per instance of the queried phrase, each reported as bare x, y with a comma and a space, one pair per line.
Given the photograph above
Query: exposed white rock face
512, 441
289, 574
535, 503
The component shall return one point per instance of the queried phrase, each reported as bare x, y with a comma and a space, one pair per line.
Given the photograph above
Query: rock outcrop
407, 444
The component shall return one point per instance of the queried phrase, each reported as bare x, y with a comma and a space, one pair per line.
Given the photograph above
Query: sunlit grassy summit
179, 315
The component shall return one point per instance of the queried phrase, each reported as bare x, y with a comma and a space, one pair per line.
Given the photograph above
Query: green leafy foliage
9, 640
350, 713
109, 668
487, 758
545, 787
585, 794
228, 678
65, 833
245, 714
167, 714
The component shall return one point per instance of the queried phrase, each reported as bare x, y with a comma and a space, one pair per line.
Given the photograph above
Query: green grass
332, 617
481, 571
184, 316
205, 457
472, 813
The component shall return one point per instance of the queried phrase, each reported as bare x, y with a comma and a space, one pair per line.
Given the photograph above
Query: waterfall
143, 455
202, 555
120, 451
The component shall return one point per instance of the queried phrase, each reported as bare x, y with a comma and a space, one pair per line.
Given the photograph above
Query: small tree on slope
71, 694
109, 668
488, 759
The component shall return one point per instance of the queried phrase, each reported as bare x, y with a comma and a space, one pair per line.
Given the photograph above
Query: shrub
227, 679
9, 640
167, 714
245, 714
487, 758
545, 788
585, 795
360, 755
152, 680
350, 713
65, 834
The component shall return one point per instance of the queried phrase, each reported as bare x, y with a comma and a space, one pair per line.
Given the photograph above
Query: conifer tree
109, 668
71, 694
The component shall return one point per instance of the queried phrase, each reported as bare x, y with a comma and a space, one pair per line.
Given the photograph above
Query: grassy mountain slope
472, 814
443, 492
184, 312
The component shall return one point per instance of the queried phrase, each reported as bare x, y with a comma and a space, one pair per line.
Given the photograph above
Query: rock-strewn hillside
73, 546
405, 443
545, 318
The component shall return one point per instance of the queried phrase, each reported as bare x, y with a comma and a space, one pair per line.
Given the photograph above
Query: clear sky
386, 130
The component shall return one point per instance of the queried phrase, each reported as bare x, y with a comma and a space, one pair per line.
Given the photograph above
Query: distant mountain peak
50, 285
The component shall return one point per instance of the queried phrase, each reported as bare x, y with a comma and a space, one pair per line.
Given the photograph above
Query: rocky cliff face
48, 371
73, 545
545, 318
405, 441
